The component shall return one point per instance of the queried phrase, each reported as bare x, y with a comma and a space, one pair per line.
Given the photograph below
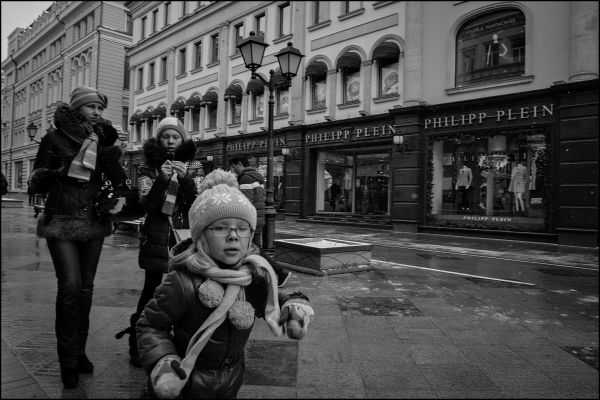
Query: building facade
72, 43
474, 118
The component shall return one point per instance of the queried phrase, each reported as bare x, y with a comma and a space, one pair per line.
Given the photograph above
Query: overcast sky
19, 14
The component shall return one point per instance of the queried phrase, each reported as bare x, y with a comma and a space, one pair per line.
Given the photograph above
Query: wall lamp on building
400, 143
328, 118
32, 131
285, 151
253, 50
364, 113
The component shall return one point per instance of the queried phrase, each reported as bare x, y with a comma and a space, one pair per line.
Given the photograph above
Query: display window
490, 180
350, 182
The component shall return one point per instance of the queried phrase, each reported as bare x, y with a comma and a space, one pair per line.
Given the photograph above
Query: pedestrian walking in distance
192, 334
166, 190
252, 184
69, 165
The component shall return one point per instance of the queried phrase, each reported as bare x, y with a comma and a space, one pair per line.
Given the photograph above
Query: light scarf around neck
200, 263
85, 161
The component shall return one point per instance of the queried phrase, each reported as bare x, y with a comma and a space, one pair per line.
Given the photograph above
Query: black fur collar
69, 120
156, 155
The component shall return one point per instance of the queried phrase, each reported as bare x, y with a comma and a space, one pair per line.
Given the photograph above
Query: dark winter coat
156, 235
69, 213
176, 304
252, 184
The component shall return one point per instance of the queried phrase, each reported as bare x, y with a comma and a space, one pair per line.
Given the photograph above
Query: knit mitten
166, 377
296, 315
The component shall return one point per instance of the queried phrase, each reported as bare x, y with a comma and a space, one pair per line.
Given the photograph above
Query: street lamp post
32, 131
253, 50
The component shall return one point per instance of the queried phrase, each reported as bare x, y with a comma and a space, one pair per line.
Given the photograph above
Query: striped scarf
171, 195
85, 161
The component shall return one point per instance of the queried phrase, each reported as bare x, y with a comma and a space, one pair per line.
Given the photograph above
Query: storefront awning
209, 98
194, 101
387, 50
256, 86
349, 60
178, 106
147, 114
160, 112
135, 118
316, 68
233, 91
280, 80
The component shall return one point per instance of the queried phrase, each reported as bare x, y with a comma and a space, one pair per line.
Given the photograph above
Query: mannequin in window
494, 53
463, 184
518, 183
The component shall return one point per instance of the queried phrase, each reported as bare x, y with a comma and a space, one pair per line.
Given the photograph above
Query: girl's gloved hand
167, 377
296, 315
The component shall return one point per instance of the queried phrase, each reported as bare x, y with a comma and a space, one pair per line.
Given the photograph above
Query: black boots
70, 377
84, 365
134, 357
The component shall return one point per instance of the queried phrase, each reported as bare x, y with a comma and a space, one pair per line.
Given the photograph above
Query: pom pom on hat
171, 123
219, 197
82, 95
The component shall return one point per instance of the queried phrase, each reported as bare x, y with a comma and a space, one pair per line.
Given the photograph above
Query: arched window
256, 89
282, 95
349, 65
210, 101
233, 95
491, 46
316, 73
387, 55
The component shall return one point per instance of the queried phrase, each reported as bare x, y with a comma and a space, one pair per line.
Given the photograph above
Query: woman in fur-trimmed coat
68, 167
167, 190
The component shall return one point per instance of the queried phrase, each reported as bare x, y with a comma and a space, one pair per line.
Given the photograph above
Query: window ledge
489, 85
319, 25
212, 64
139, 91
282, 38
210, 130
281, 116
182, 75
316, 110
196, 70
379, 4
150, 87
235, 55
255, 121
349, 104
351, 14
383, 99
234, 125
162, 83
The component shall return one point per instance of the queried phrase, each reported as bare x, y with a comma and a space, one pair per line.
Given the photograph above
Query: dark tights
151, 281
75, 264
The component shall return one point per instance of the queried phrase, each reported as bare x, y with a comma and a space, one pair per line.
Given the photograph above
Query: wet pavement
436, 317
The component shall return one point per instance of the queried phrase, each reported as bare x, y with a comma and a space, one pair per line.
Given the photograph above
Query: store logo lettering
500, 115
347, 134
253, 145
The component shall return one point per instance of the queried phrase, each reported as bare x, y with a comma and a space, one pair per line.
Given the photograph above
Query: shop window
351, 84
260, 164
351, 182
316, 73
257, 104
282, 101
491, 47
490, 181
388, 77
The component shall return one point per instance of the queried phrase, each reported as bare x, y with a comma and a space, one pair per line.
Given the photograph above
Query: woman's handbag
110, 200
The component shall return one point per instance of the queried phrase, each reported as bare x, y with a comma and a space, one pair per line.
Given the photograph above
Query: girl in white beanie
192, 334
167, 189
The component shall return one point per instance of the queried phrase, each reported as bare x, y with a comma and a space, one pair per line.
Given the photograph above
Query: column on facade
147, 131
245, 103
155, 122
223, 67
296, 93
202, 122
331, 85
367, 72
187, 118
413, 55
584, 41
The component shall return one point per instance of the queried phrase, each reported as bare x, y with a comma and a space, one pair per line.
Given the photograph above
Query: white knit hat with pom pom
219, 198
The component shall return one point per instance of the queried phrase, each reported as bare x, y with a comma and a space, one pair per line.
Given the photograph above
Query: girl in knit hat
166, 191
68, 168
192, 334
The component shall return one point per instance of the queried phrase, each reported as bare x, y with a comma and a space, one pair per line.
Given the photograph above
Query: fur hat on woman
82, 95
171, 123
219, 197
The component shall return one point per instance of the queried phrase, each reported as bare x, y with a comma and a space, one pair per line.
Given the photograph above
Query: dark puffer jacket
156, 236
176, 304
252, 184
69, 213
